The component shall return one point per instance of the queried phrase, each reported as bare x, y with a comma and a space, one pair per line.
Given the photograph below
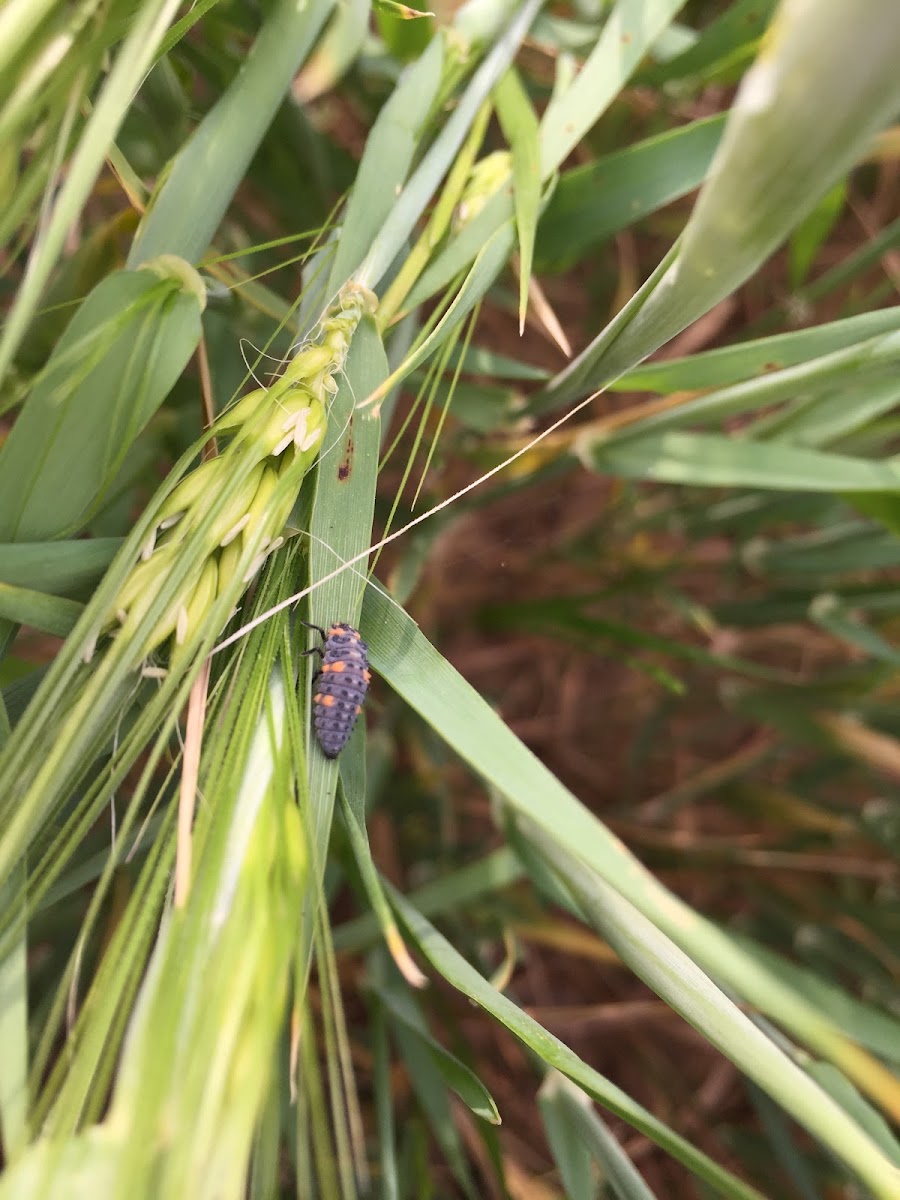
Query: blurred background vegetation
600, 303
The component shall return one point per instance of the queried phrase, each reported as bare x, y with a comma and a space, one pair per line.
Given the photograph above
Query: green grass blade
712, 460
249, 863
838, 1086
879, 1031
828, 612
591, 203
77, 1088
804, 114
454, 968
484, 271
463, 248
19, 19
353, 811
847, 270
266, 1164
384, 1105
429, 1084
96, 258
865, 365
628, 32
337, 50
13, 1009
823, 554
133, 60
812, 233
48, 613
91, 1160
447, 894
520, 128
340, 529
14, 1026
433, 1096
732, 364
779, 1136
573, 1159
412, 201
455, 1074
823, 419
730, 37
576, 1121
467, 723
197, 190
63, 568
391, 146
674, 977
183, 26
111, 370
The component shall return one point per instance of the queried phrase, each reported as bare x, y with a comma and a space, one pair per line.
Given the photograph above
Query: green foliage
211, 984
113, 367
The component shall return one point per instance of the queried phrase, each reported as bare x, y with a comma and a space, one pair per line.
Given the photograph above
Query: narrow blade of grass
675, 978
217, 156
520, 128
132, 62
467, 723
454, 968
111, 370
804, 114
711, 460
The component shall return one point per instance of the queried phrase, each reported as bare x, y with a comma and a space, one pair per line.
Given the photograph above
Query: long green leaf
412, 201
591, 203
454, 968
215, 159
630, 28
52, 614
732, 364
869, 365
456, 1074
575, 1121
711, 460
674, 977
112, 368
468, 724
132, 62
604, 75
63, 568
340, 529
391, 146
520, 128
803, 116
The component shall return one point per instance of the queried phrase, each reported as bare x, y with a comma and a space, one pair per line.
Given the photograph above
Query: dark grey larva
340, 687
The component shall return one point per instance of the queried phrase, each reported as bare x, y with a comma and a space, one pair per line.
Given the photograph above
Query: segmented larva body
340, 688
